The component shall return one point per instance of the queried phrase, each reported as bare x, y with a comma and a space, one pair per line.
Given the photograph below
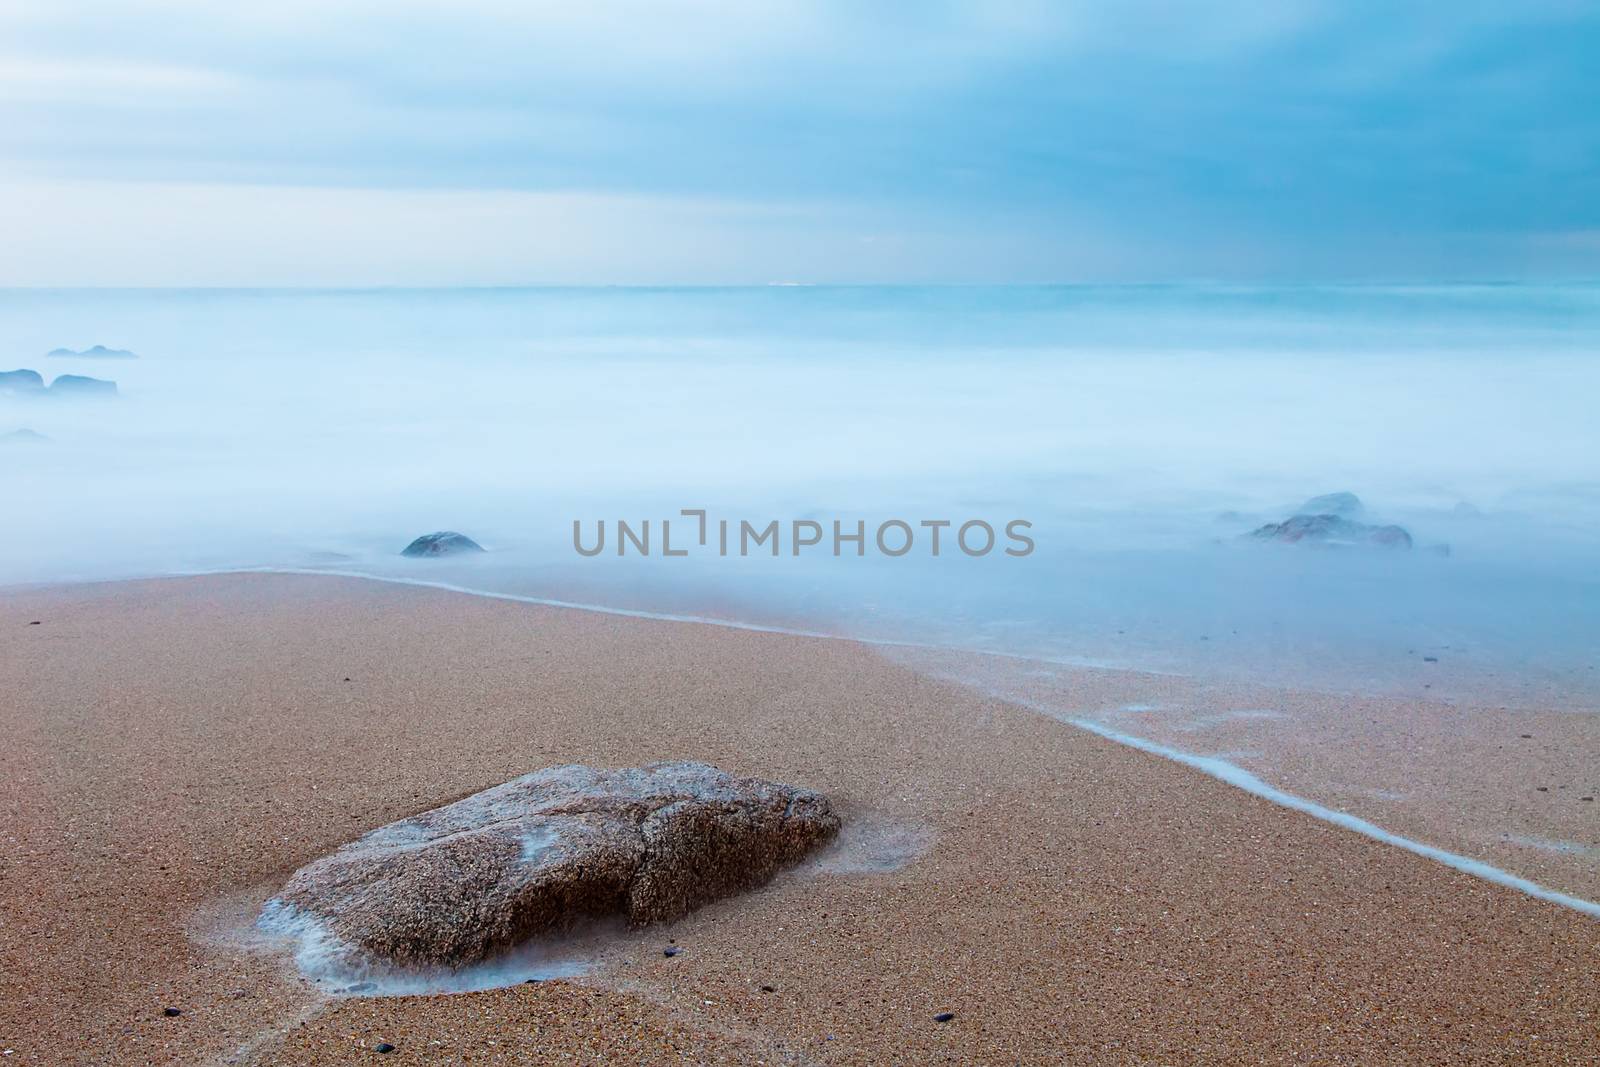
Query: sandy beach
176, 748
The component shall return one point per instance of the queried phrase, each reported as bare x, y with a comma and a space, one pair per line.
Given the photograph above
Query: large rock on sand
443, 543
467, 881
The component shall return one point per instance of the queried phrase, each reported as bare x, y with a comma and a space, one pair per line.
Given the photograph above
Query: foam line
1240, 778
661, 616
1220, 769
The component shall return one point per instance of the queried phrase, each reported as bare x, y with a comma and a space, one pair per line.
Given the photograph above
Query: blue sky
487, 142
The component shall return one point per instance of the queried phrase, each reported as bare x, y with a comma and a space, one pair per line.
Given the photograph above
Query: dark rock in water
1331, 530
1344, 505
21, 381
23, 436
80, 385
96, 352
536, 855
443, 543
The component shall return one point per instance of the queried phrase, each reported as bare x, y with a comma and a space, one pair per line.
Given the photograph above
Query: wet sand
176, 748
1515, 787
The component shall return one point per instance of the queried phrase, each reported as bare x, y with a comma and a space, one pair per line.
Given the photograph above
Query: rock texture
462, 883
443, 543
1331, 530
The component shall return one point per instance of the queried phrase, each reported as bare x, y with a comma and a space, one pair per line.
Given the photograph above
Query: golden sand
173, 749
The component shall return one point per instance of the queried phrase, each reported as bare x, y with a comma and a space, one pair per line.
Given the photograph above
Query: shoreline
1236, 776
186, 741
1585, 858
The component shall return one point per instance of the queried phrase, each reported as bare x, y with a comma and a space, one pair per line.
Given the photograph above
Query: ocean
1139, 432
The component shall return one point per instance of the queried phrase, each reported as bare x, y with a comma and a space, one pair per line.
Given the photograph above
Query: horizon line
1195, 283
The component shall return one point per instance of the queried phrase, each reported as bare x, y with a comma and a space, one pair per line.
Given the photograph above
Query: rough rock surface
464, 882
1331, 530
81, 385
443, 543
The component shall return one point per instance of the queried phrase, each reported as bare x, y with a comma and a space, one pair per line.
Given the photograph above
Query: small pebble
35, 622
172, 1013
383, 1048
1542, 788
1588, 799
1526, 736
671, 950
769, 989
944, 1016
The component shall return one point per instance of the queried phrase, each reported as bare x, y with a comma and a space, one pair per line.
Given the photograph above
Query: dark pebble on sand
671, 950
36, 622
1589, 800
1526, 736
172, 1013
383, 1048
944, 1016
1542, 788
769, 989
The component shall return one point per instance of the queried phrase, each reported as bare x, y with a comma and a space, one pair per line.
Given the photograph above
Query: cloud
1206, 136
180, 234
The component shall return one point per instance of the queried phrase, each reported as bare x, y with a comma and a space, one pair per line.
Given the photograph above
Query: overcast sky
695, 141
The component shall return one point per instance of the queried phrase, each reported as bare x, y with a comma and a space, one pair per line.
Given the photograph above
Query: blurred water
1140, 429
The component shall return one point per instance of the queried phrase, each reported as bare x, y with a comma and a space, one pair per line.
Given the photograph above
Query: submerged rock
96, 352
1344, 505
461, 883
1331, 530
21, 381
78, 385
443, 543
